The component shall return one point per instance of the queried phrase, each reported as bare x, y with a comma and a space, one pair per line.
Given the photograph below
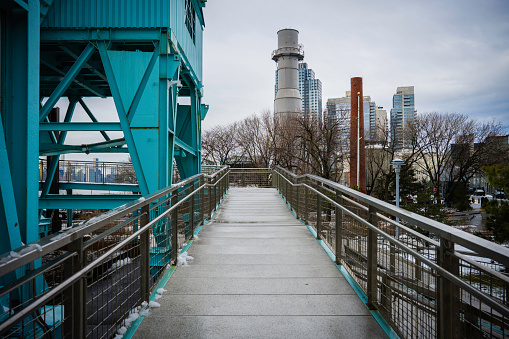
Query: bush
498, 220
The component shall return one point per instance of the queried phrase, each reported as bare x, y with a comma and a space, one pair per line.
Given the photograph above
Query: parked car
479, 192
500, 195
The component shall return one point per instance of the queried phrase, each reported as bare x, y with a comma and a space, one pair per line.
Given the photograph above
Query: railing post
286, 190
145, 254
277, 182
291, 192
339, 228
202, 197
174, 223
216, 192
209, 192
297, 198
448, 293
191, 210
306, 202
75, 307
318, 213
372, 260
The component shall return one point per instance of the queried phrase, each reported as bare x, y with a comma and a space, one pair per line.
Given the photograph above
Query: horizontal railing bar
409, 230
482, 267
92, 241
451, 277
50, 244
60, 288
477, 244
34, 273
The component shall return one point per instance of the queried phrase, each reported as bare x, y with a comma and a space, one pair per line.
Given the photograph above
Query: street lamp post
397, 163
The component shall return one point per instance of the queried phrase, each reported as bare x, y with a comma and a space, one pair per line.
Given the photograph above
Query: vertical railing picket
75, 306
449, 325
174, 224
372, 283
339, 227
318, 212
191, 210
145, 254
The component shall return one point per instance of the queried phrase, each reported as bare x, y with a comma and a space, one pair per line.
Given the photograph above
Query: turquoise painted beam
66, 81
92, 117
82, 83
86, 201
23, 4
142, 181
52, 136
80, 126
91, 34
9, 225
52, 167
99, 186
185, 147
143, 84
55, 149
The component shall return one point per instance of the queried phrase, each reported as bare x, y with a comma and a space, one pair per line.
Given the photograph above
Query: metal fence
91, 171
88, 280
411, 271
426, 279
251, 177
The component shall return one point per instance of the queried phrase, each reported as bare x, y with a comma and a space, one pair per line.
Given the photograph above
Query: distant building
375, 117
402, 113
310, 90
380, 124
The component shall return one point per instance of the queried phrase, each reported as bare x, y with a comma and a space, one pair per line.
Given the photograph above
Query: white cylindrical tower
287, 56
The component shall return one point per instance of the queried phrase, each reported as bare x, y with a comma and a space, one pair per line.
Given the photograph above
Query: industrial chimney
287, 56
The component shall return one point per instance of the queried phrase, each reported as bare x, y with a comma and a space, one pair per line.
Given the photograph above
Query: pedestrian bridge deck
258, 272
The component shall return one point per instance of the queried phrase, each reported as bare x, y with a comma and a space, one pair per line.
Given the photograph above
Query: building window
190, 24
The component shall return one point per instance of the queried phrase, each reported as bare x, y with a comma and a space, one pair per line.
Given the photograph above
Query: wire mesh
251, 177
108, 288
413, 295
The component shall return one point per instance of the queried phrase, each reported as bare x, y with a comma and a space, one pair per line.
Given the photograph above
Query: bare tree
452, 148
320, 146
254, 138
379, 157
219, 144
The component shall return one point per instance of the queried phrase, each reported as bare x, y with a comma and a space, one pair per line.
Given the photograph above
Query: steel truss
144, 66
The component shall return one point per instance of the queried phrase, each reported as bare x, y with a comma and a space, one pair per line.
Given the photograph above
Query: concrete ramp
258, 273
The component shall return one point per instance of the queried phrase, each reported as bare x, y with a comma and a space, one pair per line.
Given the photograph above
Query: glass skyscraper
402, 113
310, 90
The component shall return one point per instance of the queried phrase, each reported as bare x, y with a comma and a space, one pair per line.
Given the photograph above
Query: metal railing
251, 177
425, 279
89, 280
412, 272
91, 171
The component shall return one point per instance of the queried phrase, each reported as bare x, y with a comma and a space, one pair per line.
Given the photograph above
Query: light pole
397, 163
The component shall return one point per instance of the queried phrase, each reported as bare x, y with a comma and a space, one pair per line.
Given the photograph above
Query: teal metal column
22, 118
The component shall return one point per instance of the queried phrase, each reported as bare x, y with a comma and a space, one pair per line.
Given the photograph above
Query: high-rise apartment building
402, 113
375, 121
380, 123
310, 90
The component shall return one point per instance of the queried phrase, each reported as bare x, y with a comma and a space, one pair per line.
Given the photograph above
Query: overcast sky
455, 53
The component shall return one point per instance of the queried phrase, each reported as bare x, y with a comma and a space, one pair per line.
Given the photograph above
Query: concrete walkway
258, 273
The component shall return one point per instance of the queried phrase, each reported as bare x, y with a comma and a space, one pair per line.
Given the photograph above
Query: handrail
479, 245
45, 245
52, 242
398, 274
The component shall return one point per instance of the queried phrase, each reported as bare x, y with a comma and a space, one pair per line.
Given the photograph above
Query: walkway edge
360, 293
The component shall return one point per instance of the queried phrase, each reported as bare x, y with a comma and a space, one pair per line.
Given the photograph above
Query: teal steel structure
145, 54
